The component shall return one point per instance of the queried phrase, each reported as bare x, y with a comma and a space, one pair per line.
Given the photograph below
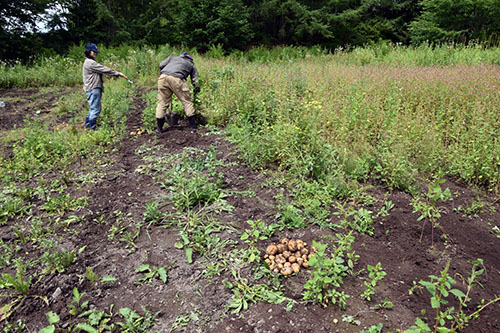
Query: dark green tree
203, 23
20, 22
456, 21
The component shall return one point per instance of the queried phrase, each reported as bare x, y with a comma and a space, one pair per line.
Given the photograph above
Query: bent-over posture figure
174, 71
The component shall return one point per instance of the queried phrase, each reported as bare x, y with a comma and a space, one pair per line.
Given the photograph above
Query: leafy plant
53, 319
135, 323
152, 215
97, 321
327, 273
449, 319
60, 261
375, 274
289, 216
77, 306
259, 231
197, 236
63, 203
93, 277
128, 237
373, 329
17, 283
427, 207
385, 304
360, 220
245, 293
473, 209
149, 272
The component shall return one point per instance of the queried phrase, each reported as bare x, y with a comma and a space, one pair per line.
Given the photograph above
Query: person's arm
101, 69
164, 63
194, 79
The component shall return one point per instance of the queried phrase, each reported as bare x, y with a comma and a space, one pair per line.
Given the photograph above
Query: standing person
92, 83
174, 71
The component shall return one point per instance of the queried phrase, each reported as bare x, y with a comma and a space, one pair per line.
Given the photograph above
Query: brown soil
119, 187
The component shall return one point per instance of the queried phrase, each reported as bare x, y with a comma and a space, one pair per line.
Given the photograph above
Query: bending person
174, 71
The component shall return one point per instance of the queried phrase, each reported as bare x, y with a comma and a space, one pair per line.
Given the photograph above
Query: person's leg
94, 98
181, 90
164, 100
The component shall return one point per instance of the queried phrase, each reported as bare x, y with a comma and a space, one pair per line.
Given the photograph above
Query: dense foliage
33, 27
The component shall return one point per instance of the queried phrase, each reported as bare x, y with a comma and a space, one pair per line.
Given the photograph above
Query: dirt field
192, 300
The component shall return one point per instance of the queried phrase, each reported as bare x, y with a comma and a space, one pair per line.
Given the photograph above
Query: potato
292, 245
284, 241
286, 254
272, 257
268, 261
300, 244
304, 256
276, 270
280, 259
280, 266
300, 261
305, 264
297, 254
271, 250
287, 264
281, 248
292, 259
286, 271
304, 251
273, 266
296, 268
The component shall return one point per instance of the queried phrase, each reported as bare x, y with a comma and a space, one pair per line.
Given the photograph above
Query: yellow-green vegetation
324, 122
386, 112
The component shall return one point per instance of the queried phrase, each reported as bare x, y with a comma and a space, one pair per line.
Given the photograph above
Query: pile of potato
139, 131
288, 257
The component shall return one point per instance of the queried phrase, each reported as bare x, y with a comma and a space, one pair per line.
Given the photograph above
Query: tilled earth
192, 302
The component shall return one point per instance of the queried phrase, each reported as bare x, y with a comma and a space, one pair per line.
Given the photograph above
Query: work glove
196, 89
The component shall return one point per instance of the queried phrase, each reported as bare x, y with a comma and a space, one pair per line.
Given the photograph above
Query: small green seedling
149, 272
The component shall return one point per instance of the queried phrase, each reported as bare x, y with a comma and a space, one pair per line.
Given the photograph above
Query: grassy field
324, 128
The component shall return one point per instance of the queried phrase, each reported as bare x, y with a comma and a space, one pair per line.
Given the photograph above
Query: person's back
180, 67
174, 71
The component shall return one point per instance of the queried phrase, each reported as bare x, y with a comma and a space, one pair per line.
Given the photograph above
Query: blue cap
91, 47
185, 54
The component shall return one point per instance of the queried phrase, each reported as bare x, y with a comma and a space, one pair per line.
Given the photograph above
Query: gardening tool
172, 117
129, 80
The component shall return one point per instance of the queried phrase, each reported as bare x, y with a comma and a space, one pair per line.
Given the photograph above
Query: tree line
33, 27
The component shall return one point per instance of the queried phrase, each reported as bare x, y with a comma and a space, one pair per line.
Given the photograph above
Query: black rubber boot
159, 125
192, 122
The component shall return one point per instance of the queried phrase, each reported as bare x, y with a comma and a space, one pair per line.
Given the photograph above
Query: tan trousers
166, 86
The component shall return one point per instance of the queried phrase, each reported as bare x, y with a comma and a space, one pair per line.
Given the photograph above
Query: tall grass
397, 122
43, 147
385, 112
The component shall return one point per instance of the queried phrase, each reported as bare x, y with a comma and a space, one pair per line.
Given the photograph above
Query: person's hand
196, 89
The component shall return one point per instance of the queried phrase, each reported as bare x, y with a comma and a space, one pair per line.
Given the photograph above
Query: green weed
448, 318
375, 274
245, 293
328, 272
134, 322
428, 208
148, 273
59, 261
